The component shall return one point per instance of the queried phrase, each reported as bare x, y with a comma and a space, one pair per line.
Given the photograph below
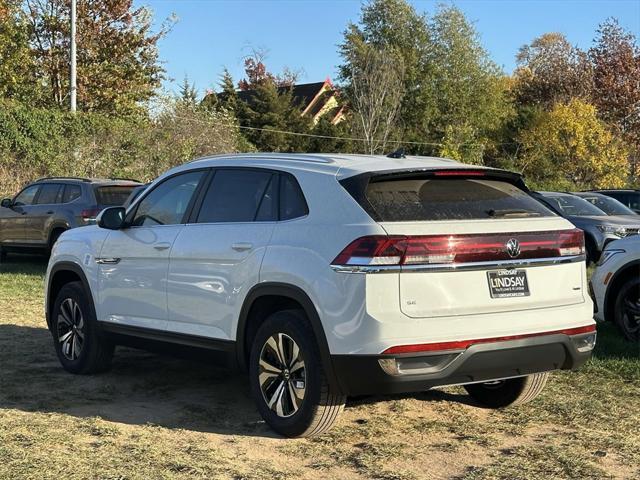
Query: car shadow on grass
142, 388
24, 264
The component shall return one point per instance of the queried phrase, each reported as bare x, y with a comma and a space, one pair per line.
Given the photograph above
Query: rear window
113, 195
572, 205
418, 199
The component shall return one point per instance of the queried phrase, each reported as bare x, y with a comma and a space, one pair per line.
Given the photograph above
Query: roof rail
299, 157
82, 179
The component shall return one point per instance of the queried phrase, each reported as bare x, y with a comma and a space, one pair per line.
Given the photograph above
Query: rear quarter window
113, 195
420, 199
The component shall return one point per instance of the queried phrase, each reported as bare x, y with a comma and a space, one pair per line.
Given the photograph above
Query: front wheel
503, 393
79, 344
287, 379
627, 309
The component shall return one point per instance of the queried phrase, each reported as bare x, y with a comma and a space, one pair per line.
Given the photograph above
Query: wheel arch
56, 227
278, 296
627, 271
61, 274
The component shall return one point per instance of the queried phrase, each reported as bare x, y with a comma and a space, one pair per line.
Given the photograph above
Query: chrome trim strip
107, 260
455, 267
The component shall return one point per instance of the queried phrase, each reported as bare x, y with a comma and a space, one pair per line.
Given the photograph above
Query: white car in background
616, 286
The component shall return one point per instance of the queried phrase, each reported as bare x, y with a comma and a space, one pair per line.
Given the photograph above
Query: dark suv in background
628, 197
41, 211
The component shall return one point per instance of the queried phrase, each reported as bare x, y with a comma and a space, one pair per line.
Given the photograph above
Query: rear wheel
503, 393
79, 344
287, 380
55, 235
627, 309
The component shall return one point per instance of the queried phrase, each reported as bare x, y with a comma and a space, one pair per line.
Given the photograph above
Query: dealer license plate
508, 283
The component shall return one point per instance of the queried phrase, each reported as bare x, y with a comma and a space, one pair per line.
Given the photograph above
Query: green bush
47, 142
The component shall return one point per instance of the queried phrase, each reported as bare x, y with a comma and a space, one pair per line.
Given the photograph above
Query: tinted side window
292, 202
235, 196
71, 192
48, 193
26, 196
167, 203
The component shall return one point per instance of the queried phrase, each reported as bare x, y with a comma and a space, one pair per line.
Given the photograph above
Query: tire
626, 311
55, 235
3, 255
79, 344
591, 251
504, 393
319, 407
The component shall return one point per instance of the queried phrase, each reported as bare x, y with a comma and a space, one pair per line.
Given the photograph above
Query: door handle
242, 246
162, 245
50, 212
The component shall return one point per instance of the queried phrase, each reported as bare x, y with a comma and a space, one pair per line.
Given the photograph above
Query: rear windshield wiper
512, 212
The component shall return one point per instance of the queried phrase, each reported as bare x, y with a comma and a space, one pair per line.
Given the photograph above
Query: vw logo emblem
513, 247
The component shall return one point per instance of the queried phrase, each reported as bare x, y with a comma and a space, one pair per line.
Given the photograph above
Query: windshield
609, 205
572, 205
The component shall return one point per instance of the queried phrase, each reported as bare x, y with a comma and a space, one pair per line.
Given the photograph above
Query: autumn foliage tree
551, 70
569, 147
616, 84
118, 65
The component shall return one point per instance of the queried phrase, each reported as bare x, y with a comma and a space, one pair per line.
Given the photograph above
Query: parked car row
602, 218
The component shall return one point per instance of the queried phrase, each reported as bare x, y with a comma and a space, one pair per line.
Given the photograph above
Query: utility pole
73, 56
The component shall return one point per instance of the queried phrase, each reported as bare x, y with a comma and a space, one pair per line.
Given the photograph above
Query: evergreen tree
188, 94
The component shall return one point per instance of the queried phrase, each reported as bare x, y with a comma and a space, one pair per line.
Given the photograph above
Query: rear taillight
449, 249
89, 213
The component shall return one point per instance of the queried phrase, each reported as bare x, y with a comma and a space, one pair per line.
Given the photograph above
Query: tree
118, 65
188, 94
570, 148
256, 73
267, 114
466, 86
616, 84
450, 83
17, 80
393, 25
551, 70
375, 92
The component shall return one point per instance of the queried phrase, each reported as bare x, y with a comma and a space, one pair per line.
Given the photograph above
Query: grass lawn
155, 417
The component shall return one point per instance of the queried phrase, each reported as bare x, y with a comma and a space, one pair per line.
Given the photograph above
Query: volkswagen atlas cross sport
325, 276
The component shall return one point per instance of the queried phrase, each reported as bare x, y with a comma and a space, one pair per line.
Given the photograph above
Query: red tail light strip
377, 250
464, 344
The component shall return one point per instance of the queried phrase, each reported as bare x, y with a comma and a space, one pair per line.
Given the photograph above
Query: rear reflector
464, 344
448, 249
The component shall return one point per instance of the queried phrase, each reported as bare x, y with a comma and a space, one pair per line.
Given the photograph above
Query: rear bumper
364, 374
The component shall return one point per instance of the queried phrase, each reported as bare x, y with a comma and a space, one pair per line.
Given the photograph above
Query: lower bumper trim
364, 375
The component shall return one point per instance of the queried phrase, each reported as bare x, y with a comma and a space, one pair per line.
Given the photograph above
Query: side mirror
6, 203
111, 218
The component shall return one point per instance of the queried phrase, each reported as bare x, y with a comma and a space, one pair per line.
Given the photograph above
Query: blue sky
303, 34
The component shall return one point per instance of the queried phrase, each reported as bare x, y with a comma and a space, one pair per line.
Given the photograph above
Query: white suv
615, 286
325, 276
